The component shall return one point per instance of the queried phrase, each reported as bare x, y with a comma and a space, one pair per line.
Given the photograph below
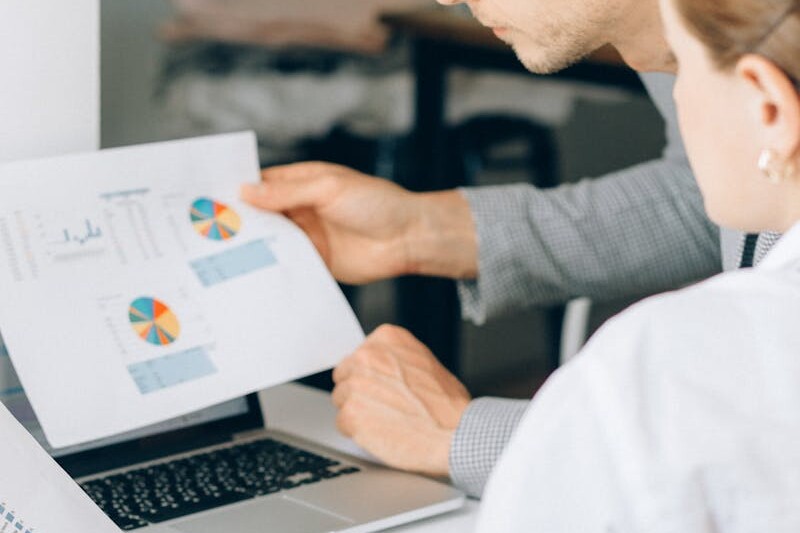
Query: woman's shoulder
730, 312
732, 295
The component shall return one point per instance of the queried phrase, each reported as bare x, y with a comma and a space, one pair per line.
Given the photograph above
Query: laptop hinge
248, 435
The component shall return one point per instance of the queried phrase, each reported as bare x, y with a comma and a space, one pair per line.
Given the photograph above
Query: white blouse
681, 415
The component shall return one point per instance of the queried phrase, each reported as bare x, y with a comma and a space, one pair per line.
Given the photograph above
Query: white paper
36, 496
84, 240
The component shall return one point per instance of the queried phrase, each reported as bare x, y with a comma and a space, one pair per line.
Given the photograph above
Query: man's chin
547, 63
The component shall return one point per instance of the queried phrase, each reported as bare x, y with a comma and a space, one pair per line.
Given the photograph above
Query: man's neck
640, 39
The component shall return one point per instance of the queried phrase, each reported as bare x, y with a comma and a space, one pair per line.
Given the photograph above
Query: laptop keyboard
206, 481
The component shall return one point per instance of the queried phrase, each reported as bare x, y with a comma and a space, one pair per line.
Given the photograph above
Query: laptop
220, 469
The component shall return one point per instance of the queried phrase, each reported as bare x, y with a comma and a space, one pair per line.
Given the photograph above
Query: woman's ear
776, 101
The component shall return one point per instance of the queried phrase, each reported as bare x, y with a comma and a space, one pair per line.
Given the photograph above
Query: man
641, 229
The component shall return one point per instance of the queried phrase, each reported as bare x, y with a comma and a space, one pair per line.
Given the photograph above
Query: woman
683, 414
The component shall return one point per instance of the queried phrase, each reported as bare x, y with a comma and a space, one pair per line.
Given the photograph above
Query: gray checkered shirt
641, 230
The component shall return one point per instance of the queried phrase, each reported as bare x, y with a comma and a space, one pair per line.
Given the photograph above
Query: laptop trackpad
269, 514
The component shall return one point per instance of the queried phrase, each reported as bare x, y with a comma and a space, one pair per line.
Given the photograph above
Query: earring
774, 170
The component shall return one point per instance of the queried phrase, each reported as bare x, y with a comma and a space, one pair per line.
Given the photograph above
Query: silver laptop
221, 470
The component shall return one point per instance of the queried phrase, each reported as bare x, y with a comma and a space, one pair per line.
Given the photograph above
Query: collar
785, 253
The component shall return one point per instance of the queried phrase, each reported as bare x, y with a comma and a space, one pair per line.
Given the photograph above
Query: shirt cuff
481, 436
499, 213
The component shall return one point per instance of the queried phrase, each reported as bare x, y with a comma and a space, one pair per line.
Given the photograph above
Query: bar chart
10, 522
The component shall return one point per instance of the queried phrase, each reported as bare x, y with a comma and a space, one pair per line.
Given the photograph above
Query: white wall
49, 88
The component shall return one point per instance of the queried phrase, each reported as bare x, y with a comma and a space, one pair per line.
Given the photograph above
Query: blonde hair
731, 29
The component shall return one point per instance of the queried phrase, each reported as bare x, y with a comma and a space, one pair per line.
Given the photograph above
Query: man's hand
367, 228
398, 402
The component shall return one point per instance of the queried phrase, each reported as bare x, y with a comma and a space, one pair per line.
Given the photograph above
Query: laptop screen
208, 426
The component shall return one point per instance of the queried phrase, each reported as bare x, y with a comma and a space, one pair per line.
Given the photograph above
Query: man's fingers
309, 192
296, 171
344, 369
340, 394
361, 385
367, 357
384, 355
345, 423
405, 348
353, 418
390, 334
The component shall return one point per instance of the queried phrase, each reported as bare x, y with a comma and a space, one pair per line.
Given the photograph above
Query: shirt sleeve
482, 434
580, 457
556, 474
637, 231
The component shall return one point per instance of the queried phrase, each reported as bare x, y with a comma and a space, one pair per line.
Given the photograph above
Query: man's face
549, 35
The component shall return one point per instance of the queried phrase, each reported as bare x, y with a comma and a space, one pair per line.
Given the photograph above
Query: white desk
309, 413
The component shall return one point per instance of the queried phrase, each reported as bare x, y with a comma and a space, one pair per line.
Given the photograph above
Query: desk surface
308, 413
446, 24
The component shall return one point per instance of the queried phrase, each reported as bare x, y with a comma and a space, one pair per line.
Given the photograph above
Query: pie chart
215, 220
153, 321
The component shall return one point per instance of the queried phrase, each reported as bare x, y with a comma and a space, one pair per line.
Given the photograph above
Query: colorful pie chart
153, 321
215, 220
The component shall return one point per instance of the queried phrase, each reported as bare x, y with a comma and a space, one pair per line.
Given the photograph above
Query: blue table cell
170, 370
233, 263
